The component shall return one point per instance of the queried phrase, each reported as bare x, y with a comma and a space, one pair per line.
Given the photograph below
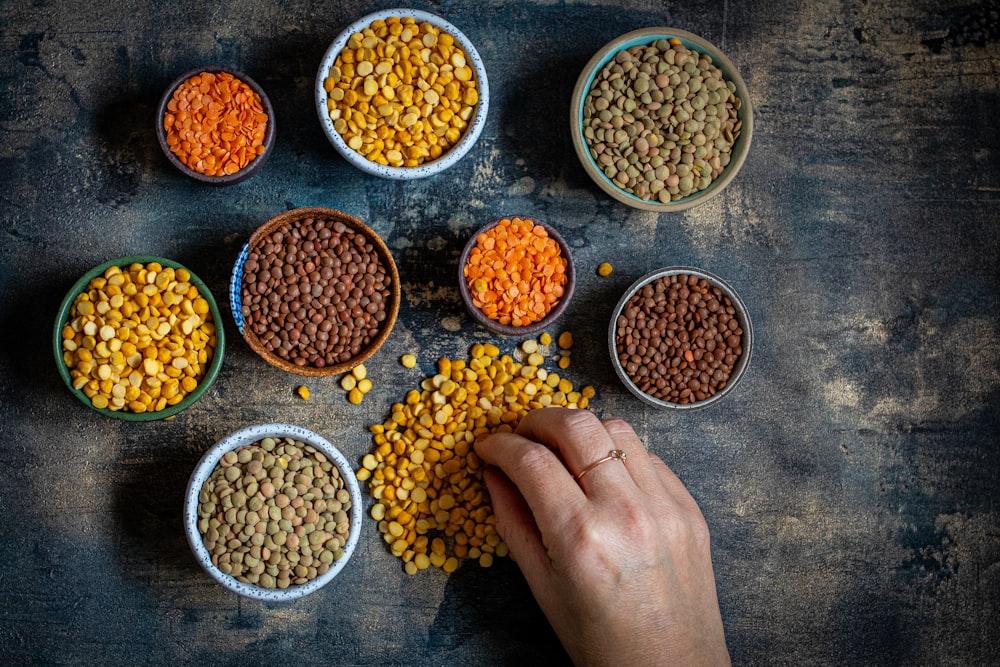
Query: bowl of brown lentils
315, 291
273, 512
402, 94
661, 119
680, 338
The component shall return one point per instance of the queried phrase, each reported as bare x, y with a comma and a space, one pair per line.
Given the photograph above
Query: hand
619, 561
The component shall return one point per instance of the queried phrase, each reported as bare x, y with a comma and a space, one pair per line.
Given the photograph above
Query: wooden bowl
385, 259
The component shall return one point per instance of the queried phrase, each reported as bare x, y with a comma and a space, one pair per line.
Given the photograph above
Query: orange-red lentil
215, 124
516, 272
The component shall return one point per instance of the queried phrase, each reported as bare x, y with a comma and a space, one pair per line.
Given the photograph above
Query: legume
275, 513
315, 292
678, 338
431, 505
661, 120
401, 93
215, 124
604, 269
516, 272
139, 339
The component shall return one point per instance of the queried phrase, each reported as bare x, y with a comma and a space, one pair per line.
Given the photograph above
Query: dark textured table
850, 482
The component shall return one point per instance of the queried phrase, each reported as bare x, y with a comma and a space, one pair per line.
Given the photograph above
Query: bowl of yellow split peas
138, 338
402, 94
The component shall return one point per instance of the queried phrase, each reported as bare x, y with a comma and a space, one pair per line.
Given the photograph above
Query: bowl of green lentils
661, 119
273, 512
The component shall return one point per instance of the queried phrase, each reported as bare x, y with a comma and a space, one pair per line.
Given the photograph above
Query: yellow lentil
408, 360
303, 392
401, 92
139, 338
604, 269
423, 472
545, 338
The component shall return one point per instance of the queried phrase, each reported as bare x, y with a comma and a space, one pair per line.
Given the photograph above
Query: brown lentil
315, 292
660, 120
678, 338
431, 505
275, 513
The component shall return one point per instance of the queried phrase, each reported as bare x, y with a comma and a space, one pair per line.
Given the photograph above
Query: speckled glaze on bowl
63, 316
448, 159
742, 315
236, 290
638, 38
254, 166
203, 471
553, 314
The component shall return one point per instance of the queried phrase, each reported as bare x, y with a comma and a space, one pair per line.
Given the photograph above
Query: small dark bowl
236, 291
552, 315
211, 373
742, 316
253, 166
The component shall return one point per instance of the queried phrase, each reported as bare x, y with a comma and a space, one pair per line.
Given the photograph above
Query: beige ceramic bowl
640, 38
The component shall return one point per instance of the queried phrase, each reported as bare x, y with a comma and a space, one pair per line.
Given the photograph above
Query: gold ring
612, 455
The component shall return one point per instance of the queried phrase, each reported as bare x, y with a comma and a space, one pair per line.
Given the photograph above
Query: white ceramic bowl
207, 465
448, 159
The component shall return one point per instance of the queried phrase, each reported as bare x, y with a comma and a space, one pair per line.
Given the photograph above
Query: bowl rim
62, 318
236, 290
269, 133
553, 314
246, 436
742, 313
641, 37
448, 159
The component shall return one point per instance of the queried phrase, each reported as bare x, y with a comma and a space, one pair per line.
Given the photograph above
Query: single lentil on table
215, 124
678, 338
431, 505
516, 272
315, 292
661, 120
401, 92
275, 513
139, 338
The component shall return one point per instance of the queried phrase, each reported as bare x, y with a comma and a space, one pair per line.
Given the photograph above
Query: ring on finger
614, 454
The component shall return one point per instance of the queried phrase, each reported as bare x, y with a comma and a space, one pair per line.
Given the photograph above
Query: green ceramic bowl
63, 317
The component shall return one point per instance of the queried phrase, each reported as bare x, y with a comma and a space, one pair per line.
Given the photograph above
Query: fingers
580, 439
538, 474
515, 522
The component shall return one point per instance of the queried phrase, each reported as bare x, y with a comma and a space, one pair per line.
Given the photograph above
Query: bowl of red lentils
402, 94
516, 275
216, 125
315, 291
272, 512
661, 119
138, 338
680, 338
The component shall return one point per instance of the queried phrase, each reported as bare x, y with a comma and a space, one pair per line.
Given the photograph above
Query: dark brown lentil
315, 292
678, 339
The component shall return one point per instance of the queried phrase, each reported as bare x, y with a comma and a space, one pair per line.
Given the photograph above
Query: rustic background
850, 482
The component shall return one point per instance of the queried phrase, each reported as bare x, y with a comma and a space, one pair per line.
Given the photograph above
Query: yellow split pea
431, 505
139, 339
401, 93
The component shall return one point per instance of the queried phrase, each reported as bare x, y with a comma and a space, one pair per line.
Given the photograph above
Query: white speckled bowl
203, 471
456, 153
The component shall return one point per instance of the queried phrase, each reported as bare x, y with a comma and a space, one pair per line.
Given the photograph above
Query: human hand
620, 560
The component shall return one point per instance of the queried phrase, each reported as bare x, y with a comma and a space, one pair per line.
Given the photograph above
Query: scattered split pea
431, 505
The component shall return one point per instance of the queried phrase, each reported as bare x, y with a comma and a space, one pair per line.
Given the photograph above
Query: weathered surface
850, 482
